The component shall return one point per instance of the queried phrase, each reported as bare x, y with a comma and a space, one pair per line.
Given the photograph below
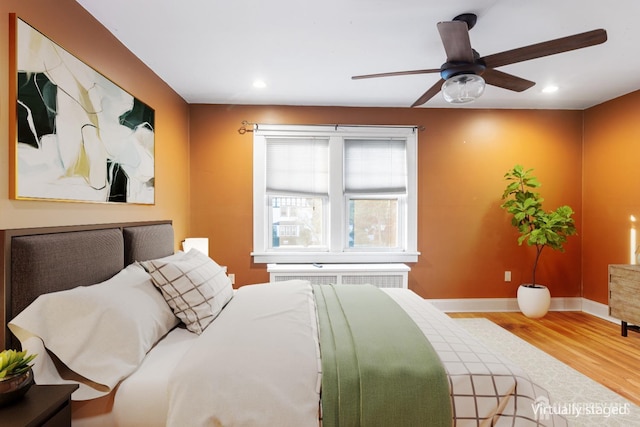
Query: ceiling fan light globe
463, 88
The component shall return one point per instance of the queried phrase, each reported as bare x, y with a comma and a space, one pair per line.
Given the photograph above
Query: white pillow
195, 287
100, 332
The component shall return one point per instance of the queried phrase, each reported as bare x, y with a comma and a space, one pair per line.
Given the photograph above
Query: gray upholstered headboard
145, 242
38, 261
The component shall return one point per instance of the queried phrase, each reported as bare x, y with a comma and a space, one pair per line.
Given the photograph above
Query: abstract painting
79, 136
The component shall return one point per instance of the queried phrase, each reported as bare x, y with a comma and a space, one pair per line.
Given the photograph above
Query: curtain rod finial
244, 128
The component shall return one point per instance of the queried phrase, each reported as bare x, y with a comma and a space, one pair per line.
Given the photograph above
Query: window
335, 194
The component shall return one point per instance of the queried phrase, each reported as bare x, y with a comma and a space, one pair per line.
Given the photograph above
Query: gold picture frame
75, 135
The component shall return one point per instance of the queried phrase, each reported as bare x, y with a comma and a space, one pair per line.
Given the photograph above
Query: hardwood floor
587, 343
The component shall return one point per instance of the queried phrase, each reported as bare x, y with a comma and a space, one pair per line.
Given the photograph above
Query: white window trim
336, 253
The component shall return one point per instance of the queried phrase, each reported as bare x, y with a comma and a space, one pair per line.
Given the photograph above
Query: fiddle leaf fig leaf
536, 226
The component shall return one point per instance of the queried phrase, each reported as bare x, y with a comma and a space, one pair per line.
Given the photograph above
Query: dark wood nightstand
43, 405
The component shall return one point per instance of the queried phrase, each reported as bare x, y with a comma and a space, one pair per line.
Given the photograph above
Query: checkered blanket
486, 388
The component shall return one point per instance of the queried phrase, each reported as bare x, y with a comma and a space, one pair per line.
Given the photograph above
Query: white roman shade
297, 166
375, 166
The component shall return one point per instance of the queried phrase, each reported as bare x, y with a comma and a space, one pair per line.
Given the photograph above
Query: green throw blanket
378, 369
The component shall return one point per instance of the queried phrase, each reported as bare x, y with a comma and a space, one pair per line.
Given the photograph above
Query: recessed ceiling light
259, 84
550, 89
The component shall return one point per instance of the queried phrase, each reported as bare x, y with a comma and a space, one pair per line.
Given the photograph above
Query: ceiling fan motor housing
450, 69
469, 18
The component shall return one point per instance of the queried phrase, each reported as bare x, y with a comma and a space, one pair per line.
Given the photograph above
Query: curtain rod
243, 128
247, 126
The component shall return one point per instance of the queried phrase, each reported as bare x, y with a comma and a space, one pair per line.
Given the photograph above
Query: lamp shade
463, 88
199, 243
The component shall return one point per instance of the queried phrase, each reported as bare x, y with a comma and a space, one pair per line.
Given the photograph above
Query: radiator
380, 275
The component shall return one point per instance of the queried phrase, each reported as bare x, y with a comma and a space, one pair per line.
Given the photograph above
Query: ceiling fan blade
551, 47
455, 38
396, 73
506, 81
430, 93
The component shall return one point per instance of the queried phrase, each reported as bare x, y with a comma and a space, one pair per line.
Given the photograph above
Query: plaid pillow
194, 286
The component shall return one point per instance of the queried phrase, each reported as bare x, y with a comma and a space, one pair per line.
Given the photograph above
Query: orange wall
465, 239
68, 24
611, 189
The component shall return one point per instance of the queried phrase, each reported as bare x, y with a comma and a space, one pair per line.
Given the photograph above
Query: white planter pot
534, 302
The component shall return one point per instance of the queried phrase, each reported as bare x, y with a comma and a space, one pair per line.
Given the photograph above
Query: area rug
582, 401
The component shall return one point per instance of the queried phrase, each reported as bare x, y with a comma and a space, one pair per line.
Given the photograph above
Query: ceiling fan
465, 73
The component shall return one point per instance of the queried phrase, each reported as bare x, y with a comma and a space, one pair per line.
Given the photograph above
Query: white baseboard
470, 305
598, 309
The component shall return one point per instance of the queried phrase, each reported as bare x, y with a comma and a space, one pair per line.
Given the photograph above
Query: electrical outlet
507, 276
232, 277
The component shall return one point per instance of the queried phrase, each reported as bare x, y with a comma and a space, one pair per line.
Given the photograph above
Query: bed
255, 356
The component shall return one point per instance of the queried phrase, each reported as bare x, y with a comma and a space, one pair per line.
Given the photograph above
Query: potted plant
538, 228
16, 375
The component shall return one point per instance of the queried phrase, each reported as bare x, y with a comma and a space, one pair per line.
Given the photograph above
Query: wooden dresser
624, 295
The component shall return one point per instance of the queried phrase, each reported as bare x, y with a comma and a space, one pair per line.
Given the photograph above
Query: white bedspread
141, 400
258, 363
260, 367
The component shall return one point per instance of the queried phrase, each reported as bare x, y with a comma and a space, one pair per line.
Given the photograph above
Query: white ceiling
210, 51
